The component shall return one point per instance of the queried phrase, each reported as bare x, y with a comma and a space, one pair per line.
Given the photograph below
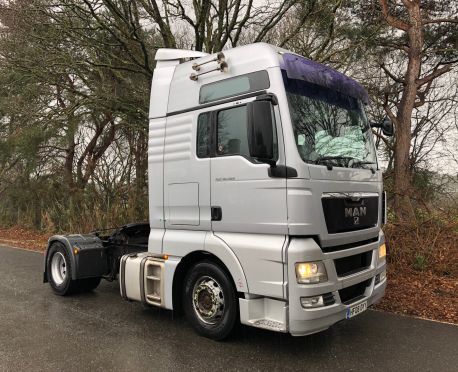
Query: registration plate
357, 309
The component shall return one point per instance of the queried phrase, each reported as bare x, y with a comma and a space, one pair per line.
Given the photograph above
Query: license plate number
357, 309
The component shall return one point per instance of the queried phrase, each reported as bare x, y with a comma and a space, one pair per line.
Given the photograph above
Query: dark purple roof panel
300, 68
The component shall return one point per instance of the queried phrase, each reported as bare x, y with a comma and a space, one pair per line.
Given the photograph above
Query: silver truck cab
265, 160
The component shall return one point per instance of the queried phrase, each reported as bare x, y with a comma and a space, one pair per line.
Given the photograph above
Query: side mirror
386, 125
260, 131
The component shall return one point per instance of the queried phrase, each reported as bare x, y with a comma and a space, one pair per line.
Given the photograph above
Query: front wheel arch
182, 269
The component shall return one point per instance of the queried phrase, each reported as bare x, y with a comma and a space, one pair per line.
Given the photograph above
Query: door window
232, 134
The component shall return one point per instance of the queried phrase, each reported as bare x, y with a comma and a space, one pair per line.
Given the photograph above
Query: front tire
210, 300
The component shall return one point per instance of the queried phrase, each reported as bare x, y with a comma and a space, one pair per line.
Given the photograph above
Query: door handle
216, 213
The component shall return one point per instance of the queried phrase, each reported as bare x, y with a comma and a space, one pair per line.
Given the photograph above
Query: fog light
311, 302
382, 251
311, 272
382, 276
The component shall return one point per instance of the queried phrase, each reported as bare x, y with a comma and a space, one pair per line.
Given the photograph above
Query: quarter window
203, 135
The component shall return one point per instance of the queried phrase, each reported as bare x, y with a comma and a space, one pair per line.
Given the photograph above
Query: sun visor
300, 68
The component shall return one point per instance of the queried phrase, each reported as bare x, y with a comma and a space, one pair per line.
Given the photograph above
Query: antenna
220, 59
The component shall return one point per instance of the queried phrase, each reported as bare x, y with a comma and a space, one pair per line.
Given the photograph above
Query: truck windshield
329, 127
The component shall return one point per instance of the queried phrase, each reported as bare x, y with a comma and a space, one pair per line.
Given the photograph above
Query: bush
48, 206
428, 243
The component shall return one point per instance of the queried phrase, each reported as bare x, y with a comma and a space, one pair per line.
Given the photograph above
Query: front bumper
307, 321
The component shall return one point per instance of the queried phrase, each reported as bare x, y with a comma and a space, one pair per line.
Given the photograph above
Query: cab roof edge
167, 54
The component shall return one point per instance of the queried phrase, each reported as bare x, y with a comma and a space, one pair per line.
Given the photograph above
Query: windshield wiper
326, 160
359, 164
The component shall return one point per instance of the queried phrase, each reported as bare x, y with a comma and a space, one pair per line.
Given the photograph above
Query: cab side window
231, 132
203, 135
226, 132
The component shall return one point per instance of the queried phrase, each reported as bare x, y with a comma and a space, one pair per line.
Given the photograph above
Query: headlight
311, 272
382, 251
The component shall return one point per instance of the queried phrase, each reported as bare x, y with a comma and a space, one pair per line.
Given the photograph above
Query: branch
242, 23
422, 95
391, 75
383, 138
388, 110
433, 75
292, 34
330, 33
440, 20
391, 20
273, 20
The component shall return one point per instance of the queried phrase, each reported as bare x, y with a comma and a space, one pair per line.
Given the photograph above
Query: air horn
219, 58
222, 66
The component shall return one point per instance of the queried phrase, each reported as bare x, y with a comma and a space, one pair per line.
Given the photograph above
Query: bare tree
412, 21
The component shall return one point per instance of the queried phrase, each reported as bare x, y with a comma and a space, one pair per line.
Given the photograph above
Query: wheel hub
208, 300
58, 268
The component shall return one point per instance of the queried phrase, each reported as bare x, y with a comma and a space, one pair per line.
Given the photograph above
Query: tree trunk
402, 168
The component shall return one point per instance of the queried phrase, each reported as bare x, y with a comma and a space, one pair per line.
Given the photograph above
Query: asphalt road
100, 331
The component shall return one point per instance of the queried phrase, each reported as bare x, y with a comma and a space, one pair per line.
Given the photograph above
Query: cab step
264, 313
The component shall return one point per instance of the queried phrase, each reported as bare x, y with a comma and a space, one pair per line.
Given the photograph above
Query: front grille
328, 299
354, 292
342, 247
353, 264
347, 214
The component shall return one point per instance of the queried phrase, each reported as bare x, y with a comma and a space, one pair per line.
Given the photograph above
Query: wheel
59, 269
89, 284
210, 300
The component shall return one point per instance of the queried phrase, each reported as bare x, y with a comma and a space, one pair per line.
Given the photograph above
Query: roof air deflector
166, 54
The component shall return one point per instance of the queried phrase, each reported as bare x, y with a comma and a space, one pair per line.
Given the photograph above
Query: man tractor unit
265, 198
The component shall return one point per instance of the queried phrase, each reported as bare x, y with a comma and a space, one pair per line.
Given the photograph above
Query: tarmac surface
99, 331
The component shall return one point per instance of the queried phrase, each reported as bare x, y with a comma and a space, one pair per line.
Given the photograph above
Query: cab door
245, 198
